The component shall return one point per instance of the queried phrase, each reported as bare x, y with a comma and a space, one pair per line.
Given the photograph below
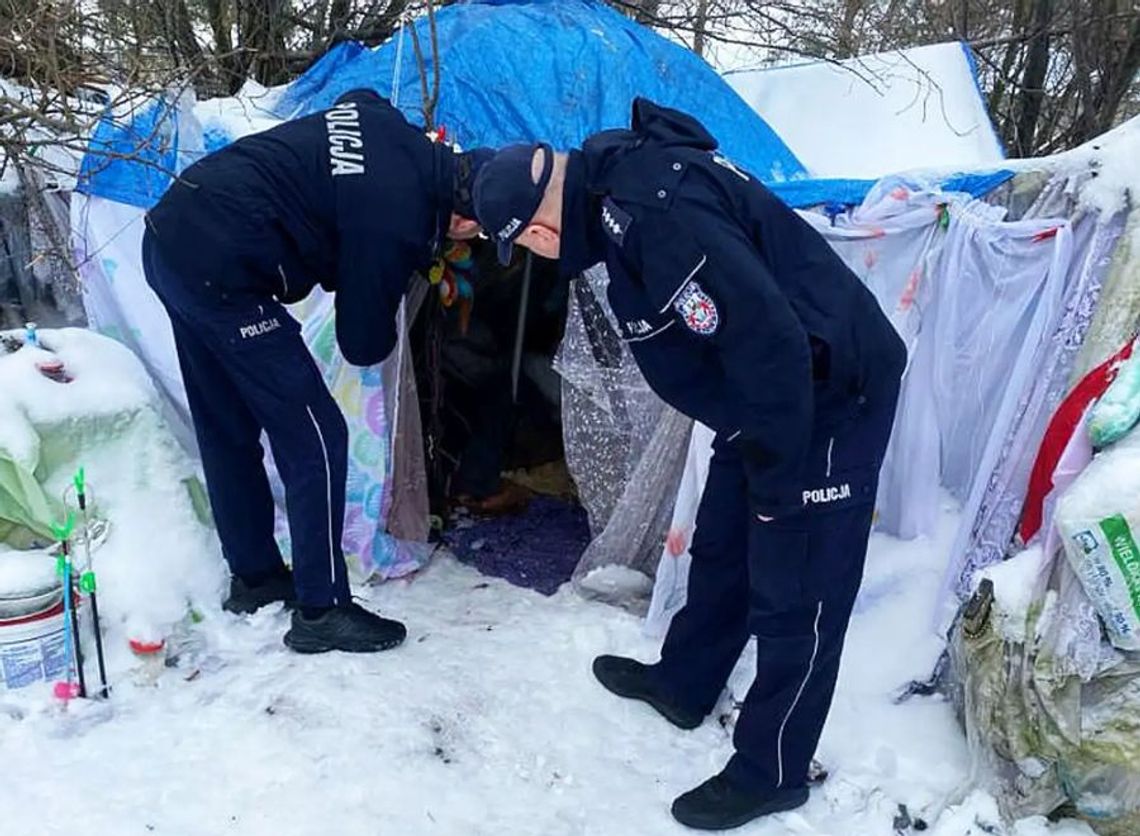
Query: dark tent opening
501, 495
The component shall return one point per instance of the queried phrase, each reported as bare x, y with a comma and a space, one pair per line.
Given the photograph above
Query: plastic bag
1119, 410
1098, 518
1041, 739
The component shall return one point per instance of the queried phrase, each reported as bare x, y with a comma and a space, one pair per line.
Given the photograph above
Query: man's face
462, 229
541, 240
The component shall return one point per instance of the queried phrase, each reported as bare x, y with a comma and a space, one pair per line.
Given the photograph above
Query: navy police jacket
738, 313
354, 199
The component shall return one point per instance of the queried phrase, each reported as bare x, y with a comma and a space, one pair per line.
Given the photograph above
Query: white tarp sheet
877, 114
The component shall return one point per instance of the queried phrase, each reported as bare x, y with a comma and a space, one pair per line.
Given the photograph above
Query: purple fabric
537, 549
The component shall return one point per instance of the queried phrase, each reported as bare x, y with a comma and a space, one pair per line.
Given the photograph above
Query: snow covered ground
486, 722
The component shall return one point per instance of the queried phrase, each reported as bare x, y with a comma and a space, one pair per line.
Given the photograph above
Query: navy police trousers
791, 583
247, 370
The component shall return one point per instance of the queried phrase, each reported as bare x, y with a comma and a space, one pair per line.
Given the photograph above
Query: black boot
246, 598
630, 678
720, 804
350, 628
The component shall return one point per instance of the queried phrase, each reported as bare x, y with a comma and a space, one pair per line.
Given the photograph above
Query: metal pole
520, 331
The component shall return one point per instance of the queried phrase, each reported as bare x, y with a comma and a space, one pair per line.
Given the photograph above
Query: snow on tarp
878, 114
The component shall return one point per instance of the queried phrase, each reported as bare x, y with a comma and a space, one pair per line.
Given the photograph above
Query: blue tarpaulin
130, 156
557, 71
554, 70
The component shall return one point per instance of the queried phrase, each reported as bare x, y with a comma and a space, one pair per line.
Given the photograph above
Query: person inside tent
354, 199
503, 431
740, 315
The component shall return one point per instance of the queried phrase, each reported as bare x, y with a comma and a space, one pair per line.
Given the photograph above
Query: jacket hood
670, 127
650, 123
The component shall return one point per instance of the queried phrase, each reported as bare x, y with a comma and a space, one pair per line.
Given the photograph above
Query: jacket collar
583, 242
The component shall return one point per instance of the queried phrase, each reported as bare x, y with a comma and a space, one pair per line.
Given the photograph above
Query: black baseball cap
506, 197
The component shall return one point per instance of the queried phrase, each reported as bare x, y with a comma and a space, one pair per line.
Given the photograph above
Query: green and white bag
1099, 521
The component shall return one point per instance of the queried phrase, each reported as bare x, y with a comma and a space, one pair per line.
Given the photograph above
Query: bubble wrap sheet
624, 447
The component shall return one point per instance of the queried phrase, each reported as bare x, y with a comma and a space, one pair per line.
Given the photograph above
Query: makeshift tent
492, 93
161, 137
585, 85
606, 400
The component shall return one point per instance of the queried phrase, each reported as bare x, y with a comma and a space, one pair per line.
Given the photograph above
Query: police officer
740, 315
353, 199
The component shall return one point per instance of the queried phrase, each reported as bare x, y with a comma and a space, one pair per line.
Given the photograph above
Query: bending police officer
741, 316
354, 199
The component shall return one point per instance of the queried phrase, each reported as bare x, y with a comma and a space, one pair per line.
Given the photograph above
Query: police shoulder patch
615, 221
697, 309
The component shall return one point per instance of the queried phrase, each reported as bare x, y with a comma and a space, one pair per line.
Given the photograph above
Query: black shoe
245, 598
629, 678
350, 628
719, 804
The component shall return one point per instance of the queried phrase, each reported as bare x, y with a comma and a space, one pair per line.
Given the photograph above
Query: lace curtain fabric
994, 508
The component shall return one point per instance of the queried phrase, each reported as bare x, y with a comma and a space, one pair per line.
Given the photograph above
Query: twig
423, 75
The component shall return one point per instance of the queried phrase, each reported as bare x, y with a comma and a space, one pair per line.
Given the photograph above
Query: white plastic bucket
33, 648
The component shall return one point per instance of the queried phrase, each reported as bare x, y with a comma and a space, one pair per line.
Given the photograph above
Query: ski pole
87, 580
70, 622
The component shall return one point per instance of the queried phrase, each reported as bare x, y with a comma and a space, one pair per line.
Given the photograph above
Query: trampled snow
487, 721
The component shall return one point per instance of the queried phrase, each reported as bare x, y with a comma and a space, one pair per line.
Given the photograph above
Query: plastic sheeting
1051, 708
990, 324
1040, 737
36, 279
893, 242
107, 241
608, 411
547, 69
512, 72
1119, 409
624, 447
1118, 314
